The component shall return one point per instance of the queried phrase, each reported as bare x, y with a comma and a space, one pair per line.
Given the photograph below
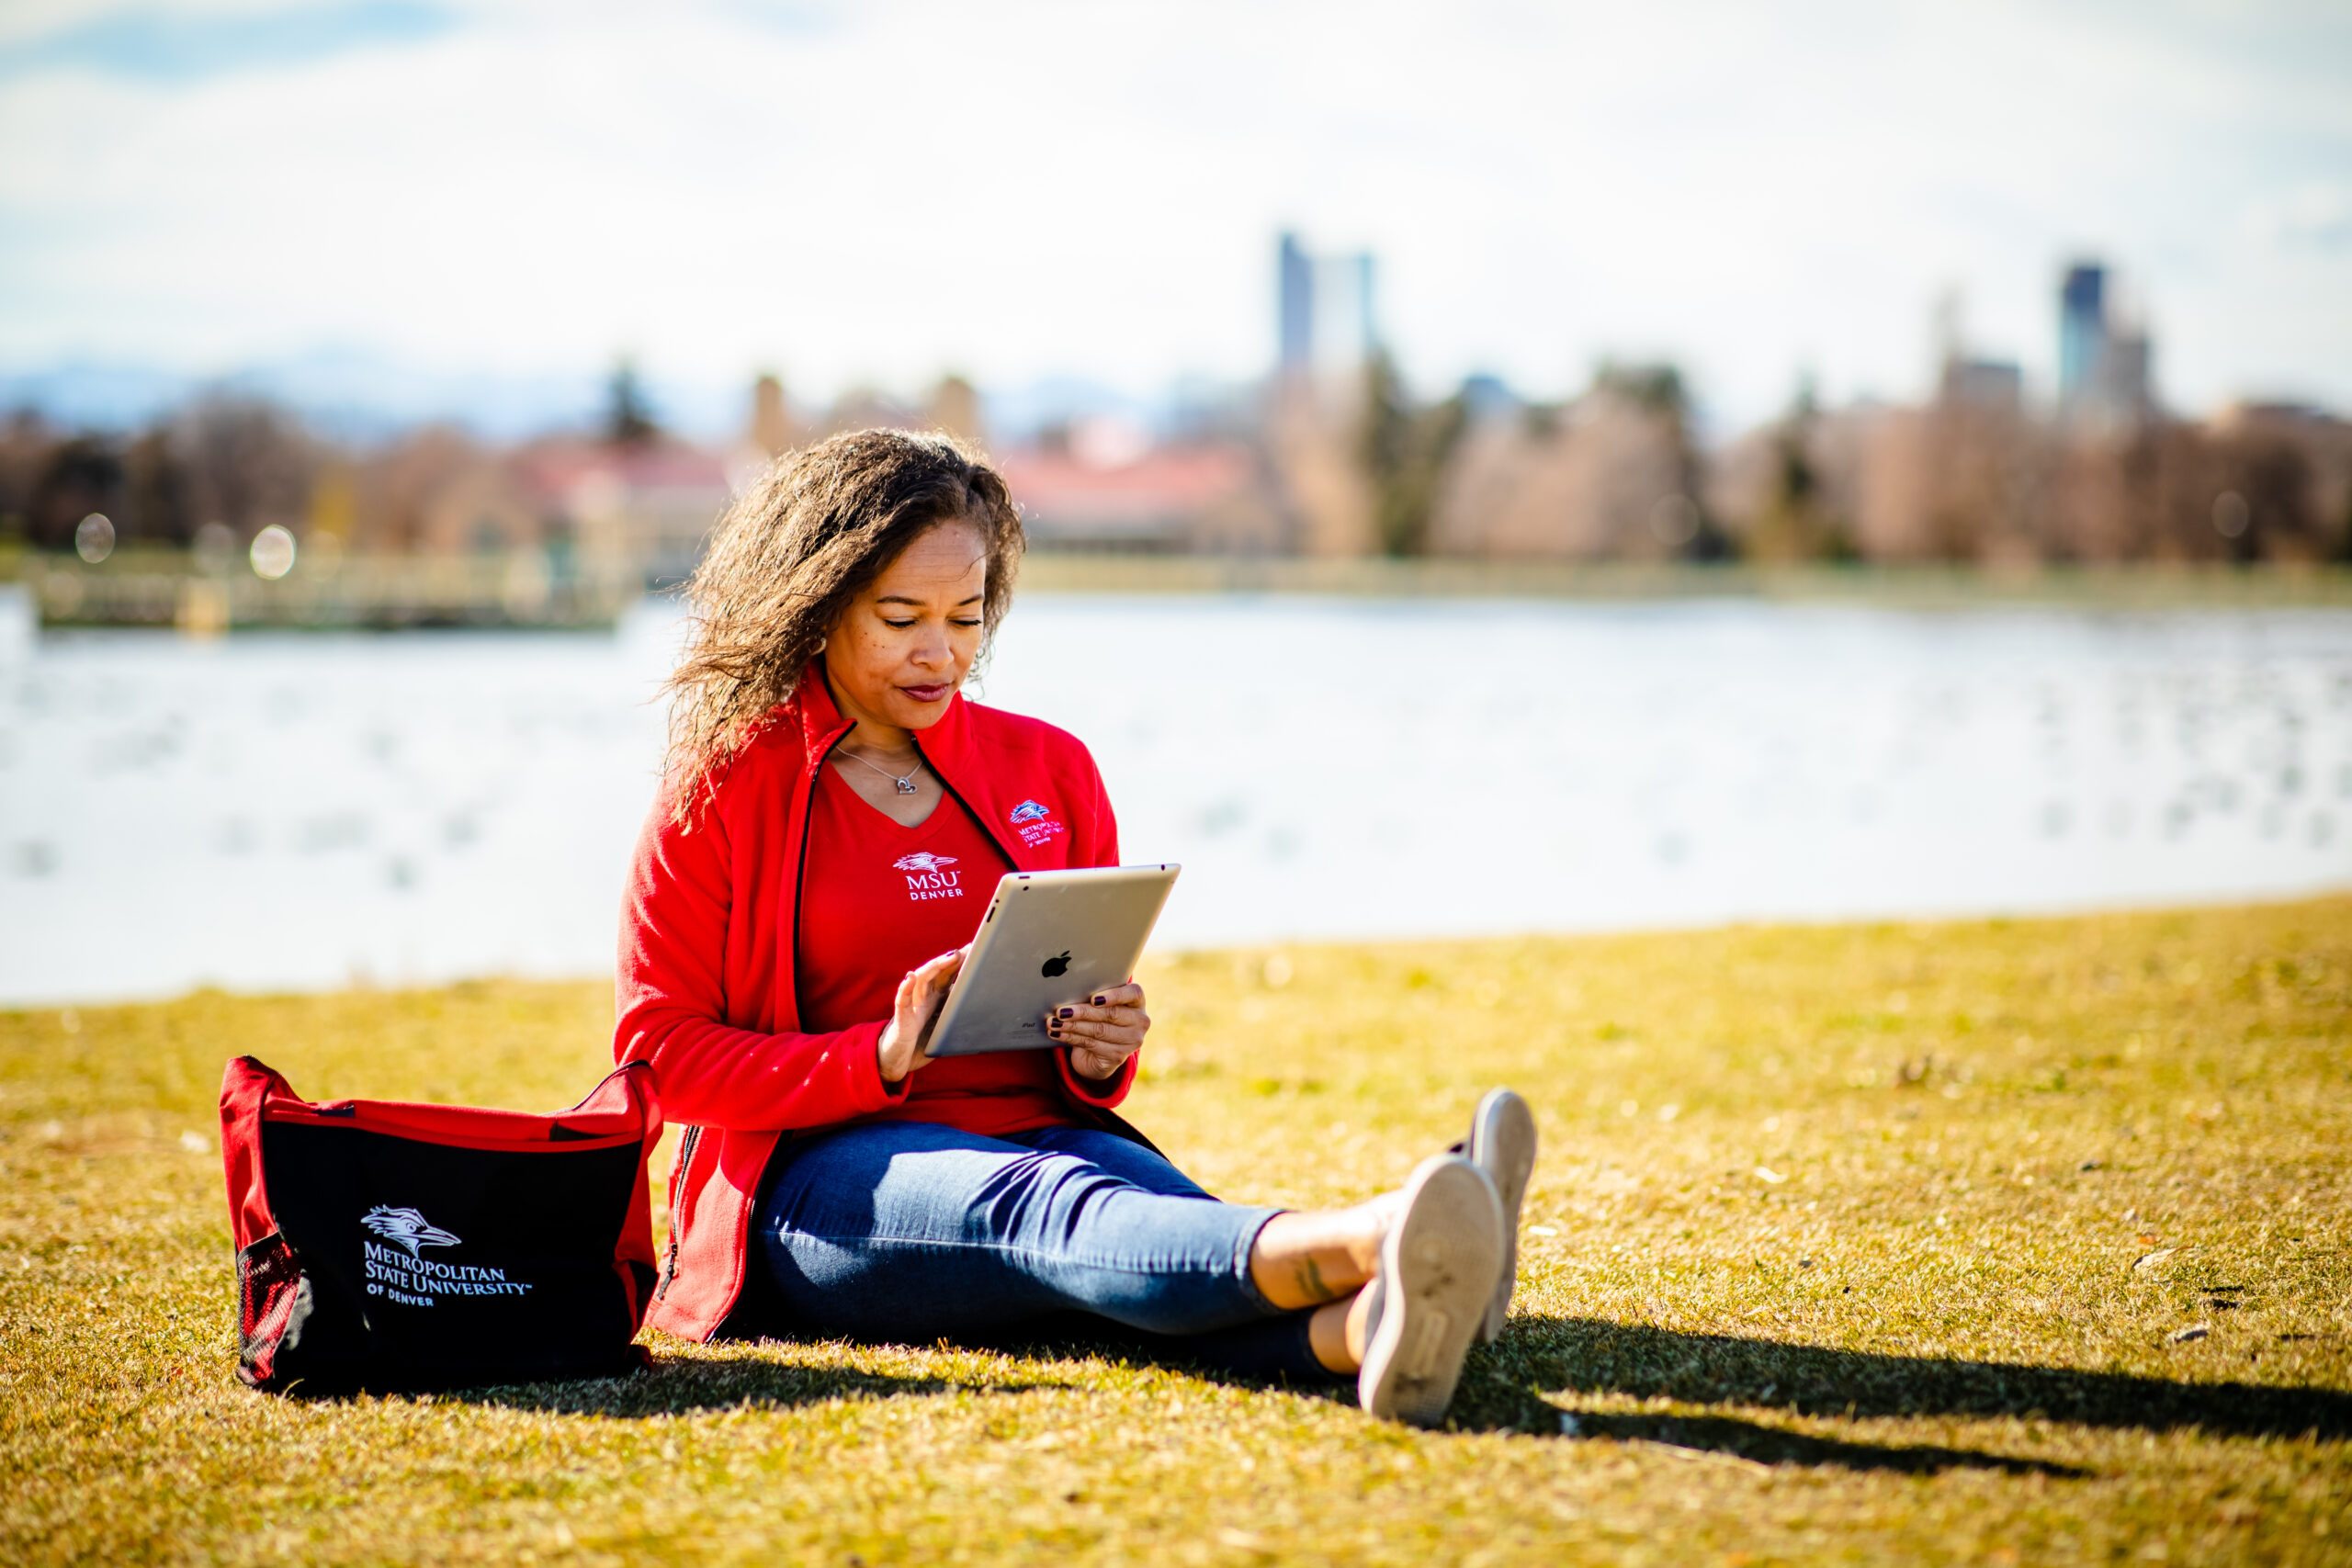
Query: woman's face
904, 645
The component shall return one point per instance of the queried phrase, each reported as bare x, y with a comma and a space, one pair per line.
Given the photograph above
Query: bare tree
1404, 450
628, 419
247, 463
78, 477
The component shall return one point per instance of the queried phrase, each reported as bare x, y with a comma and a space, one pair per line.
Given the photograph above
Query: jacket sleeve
670, 998
1104, 1092
1100, 847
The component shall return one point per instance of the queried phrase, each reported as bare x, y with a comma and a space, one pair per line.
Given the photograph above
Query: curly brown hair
785, 561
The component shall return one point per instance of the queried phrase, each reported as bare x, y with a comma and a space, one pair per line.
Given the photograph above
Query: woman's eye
900, 624
967, 623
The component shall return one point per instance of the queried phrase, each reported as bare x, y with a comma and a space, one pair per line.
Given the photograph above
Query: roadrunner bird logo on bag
406, 1227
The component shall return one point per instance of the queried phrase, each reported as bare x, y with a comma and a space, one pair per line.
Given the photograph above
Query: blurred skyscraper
1295, 286
1326, 338
1325, 310
1354, 329
1966, 377
2126, 375
2082, 330
2105, 362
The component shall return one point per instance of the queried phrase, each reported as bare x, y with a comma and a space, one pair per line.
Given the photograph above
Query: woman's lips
927, 693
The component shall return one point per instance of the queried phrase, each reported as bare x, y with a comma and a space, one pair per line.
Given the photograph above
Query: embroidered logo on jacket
1035, 823
927, 876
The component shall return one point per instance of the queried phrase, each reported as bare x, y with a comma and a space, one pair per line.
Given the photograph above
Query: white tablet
1050, 939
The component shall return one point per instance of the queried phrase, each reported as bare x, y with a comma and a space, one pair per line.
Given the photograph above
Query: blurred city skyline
506, 195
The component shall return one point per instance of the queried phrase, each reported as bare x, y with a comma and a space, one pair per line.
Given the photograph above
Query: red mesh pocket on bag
270, 1282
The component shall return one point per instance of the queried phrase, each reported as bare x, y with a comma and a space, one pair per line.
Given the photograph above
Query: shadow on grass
1504, 1389
1496, 1395
676, 1387
1587, 1356
1760, 1444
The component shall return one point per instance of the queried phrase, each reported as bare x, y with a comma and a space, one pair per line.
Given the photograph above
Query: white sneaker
1437, 1273
1502, 1143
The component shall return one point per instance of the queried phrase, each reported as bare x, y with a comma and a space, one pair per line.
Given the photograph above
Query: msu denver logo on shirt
927, 876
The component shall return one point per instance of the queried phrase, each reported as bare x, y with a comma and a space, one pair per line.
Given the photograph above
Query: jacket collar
948, 747
820, 719
946, 744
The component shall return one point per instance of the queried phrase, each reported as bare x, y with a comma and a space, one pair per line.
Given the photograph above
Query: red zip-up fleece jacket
708, 929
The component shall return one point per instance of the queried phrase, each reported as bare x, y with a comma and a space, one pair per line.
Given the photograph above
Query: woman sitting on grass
779, 970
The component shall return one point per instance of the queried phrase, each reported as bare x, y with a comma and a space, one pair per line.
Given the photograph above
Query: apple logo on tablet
1057, 967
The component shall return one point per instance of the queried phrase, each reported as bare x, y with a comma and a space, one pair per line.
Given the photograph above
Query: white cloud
1027, 188
2316, 215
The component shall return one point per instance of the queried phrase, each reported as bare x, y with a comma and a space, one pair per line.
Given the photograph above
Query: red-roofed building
652, 506
1195, 497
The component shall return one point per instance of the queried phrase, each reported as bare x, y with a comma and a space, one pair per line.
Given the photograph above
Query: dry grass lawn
1847, 1244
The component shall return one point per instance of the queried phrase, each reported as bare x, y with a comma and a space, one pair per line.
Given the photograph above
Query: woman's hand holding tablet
1103, 1031
1053, 964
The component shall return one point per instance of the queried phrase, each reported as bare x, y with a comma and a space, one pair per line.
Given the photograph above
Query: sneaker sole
1502, 1143
1438, 1266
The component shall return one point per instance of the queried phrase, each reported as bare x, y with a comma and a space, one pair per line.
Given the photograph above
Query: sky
872, 194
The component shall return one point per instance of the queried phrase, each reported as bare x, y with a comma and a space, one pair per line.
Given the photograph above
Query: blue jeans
910, 1231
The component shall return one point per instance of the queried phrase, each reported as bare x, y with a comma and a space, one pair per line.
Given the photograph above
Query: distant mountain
361, 395
1017, 414
104, 397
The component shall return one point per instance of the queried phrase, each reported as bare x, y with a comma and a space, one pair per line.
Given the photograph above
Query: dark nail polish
1100, 1002
1065, 1012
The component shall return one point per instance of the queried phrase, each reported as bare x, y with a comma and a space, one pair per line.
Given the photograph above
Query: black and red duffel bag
387, 1246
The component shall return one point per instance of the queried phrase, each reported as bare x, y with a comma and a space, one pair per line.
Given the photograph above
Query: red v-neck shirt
893, 898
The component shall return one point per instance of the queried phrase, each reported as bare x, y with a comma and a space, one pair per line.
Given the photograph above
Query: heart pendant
906, 786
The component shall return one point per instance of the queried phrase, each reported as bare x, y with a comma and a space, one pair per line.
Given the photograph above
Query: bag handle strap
243, 1089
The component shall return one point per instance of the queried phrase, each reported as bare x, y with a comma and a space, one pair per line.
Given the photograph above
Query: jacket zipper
800, 866
686, 1158
987, 826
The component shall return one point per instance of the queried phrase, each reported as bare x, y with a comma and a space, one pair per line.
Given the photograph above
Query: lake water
296, 811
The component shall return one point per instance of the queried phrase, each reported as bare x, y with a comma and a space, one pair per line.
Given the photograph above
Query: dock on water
522, 589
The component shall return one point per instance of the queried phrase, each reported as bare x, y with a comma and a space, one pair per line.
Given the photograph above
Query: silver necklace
906, 785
